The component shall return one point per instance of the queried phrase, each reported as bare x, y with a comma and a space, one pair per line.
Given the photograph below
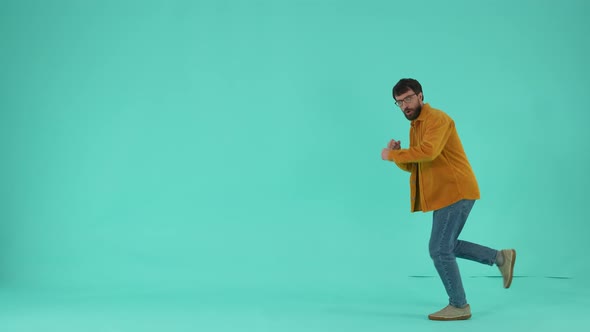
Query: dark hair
406, 84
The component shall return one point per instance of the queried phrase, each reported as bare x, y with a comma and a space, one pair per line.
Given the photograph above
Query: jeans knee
438, 253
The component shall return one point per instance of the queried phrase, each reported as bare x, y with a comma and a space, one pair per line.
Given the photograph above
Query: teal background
183, 147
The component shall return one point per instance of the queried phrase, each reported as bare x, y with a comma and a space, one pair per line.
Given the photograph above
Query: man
442, 181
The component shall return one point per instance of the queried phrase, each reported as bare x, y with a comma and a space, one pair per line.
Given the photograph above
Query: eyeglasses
405, 100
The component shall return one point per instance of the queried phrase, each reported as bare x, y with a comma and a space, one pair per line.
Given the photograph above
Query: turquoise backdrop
235, 145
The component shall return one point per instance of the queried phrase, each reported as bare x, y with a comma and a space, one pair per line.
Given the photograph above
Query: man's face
410, 104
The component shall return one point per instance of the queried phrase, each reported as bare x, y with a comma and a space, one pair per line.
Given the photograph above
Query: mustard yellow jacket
437, 159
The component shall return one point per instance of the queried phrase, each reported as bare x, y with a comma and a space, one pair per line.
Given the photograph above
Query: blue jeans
445, 247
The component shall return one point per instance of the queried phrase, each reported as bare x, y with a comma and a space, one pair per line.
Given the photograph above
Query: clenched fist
393, 145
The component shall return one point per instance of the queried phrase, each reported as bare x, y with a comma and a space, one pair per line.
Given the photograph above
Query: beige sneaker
452, 313
507, 269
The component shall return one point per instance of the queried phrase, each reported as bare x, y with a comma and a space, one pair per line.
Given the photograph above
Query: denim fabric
445, 247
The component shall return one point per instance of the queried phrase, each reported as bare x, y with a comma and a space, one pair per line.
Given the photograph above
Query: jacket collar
423, 114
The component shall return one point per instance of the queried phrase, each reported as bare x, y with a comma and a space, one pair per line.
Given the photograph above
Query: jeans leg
446, 227
475, 252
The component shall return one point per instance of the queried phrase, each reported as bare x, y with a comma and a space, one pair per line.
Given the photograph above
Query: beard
413, 113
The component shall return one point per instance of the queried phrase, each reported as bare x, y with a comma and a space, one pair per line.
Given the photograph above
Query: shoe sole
449, 318
511, 269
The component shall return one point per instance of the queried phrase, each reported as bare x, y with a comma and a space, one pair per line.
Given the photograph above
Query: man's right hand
394, 145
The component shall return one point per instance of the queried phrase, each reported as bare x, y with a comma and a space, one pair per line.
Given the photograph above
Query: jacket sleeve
405, 166
435, 137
